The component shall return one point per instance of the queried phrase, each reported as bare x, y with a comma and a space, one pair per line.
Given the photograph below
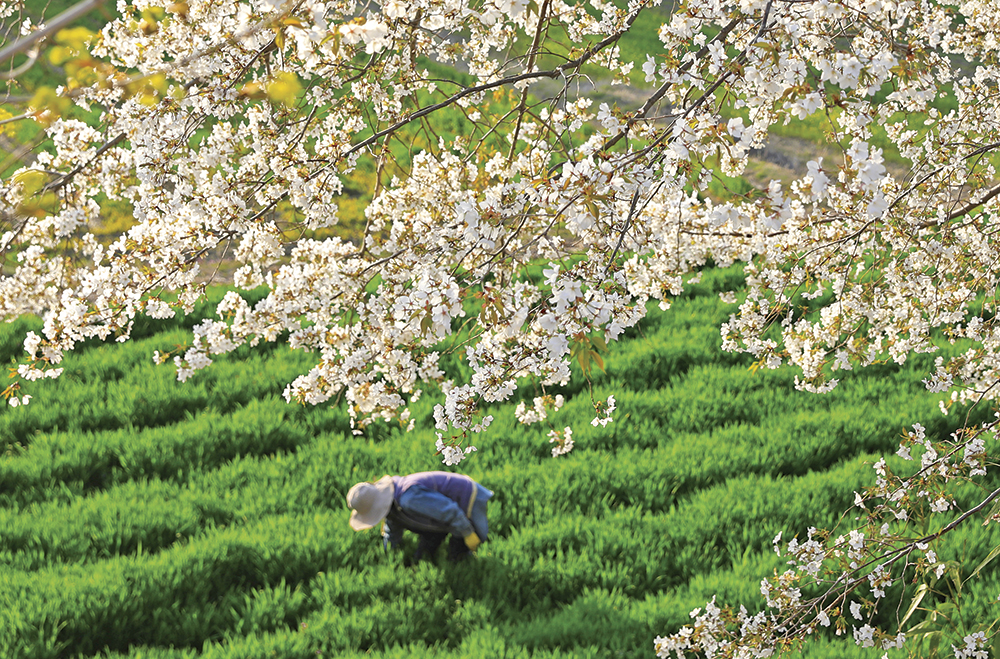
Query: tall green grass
142, 517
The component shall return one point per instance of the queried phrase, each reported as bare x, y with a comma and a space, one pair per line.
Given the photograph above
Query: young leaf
986, 561
284, 89
922, 590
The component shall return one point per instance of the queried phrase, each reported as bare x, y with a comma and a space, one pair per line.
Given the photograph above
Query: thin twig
531, 64
64, 180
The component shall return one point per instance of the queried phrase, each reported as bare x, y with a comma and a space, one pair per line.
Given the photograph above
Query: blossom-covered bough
233, 129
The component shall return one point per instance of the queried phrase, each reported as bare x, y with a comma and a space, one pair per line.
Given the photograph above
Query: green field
142, 517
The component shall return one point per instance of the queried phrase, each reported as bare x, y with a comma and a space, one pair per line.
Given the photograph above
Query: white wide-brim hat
370, 502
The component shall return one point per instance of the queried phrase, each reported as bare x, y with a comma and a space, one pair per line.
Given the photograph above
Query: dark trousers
428, 545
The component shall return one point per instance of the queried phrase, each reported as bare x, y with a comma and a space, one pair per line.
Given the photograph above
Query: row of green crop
552, 560
134, 393
151, 513
60, 467
222, 529
336, 612
712, 397
712, 423
197, 598
726, 410
69, 464
561, 549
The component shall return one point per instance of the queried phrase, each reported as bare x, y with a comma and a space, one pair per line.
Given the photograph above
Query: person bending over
433, 504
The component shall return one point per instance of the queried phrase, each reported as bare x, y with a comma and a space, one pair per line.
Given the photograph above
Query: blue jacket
436, 502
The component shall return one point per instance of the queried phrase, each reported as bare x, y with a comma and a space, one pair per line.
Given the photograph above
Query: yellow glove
472, 541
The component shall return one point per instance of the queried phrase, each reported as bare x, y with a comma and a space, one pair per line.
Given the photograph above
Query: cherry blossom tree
235, 131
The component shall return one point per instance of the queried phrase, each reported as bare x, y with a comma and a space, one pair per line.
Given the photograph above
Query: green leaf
986, 561
928, 626
946, 610
594, 209
599, 342
597, 358
922, 590
284, 88
933, 640
59, 55
45, 98
77, 38
31, 181
955, 572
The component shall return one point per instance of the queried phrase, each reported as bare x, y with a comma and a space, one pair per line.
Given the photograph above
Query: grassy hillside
143, 517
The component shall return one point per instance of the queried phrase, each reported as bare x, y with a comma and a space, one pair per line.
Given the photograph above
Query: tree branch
26, 42
972, 205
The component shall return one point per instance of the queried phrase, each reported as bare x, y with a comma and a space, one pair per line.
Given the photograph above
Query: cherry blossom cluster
605, 410
563, 440
450, 454
848, 574
540, 408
